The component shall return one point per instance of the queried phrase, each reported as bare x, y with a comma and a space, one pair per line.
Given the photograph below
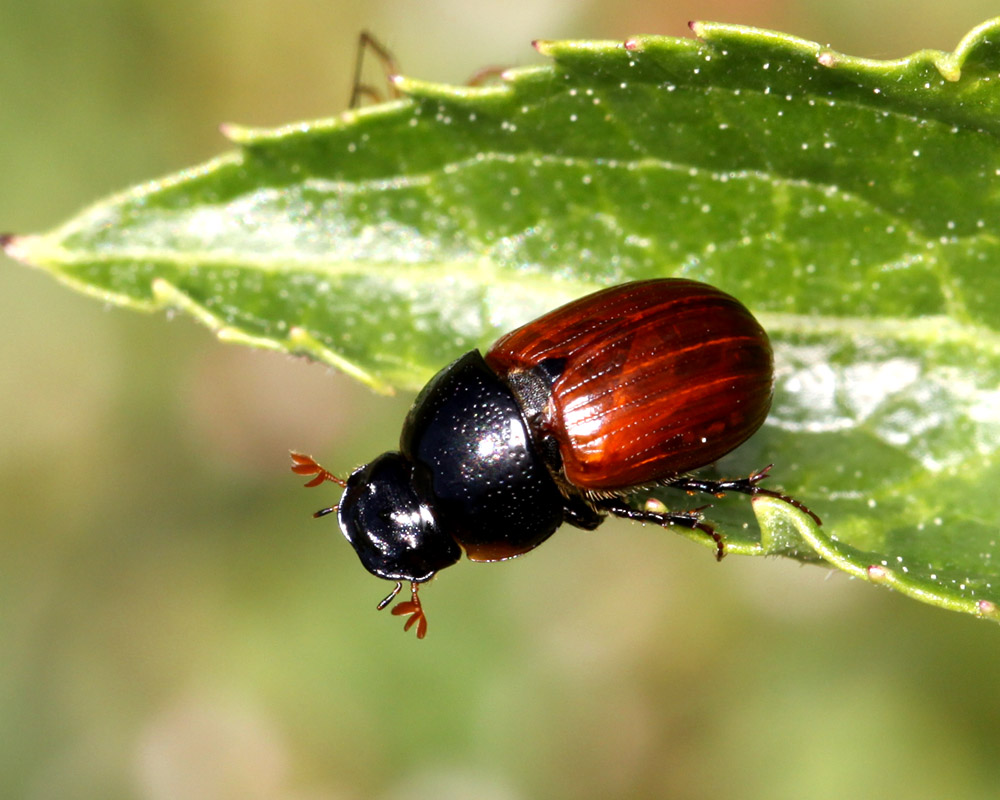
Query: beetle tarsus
686, 519
750, 485
389, 597
720, 541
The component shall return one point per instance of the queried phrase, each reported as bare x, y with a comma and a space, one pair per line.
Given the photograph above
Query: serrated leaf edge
772, 513
716, 34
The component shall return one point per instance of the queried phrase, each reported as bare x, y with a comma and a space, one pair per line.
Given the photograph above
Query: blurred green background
174, 625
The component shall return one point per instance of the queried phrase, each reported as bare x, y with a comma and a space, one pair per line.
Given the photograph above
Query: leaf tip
17, 247
988, 609
543, 46
697, 28
827, 58
243, 135
403, 86
949, 69
233, 132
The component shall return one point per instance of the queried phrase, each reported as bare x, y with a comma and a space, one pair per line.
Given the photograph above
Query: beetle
563, 420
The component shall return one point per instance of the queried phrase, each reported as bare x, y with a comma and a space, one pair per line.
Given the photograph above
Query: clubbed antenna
411, 608
306, 465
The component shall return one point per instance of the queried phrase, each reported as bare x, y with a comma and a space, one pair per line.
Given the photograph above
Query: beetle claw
759, 475
749, 485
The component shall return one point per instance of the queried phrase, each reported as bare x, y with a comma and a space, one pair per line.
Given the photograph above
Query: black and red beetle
563, 419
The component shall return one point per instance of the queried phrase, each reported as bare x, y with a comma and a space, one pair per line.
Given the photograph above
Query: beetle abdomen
657, 378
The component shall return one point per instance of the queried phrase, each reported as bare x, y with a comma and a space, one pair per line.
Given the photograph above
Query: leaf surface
851, 204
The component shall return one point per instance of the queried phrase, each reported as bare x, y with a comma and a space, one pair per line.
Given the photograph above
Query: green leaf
852, 204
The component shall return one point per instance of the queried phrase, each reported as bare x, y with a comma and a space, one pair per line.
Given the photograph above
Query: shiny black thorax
472, 470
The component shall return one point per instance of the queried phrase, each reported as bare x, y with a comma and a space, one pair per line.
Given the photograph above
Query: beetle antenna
306, 465
411, 608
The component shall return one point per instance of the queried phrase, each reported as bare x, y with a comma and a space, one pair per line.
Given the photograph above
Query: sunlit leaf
851, 204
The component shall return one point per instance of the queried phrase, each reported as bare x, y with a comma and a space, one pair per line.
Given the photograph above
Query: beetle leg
750, 486
686, 519
485, 75
359, 89
411, 608
389, 597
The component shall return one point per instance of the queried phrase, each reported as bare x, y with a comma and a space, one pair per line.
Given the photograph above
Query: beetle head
391, 524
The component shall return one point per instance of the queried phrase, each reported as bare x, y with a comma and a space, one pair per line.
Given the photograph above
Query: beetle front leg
410, 608
686, 519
